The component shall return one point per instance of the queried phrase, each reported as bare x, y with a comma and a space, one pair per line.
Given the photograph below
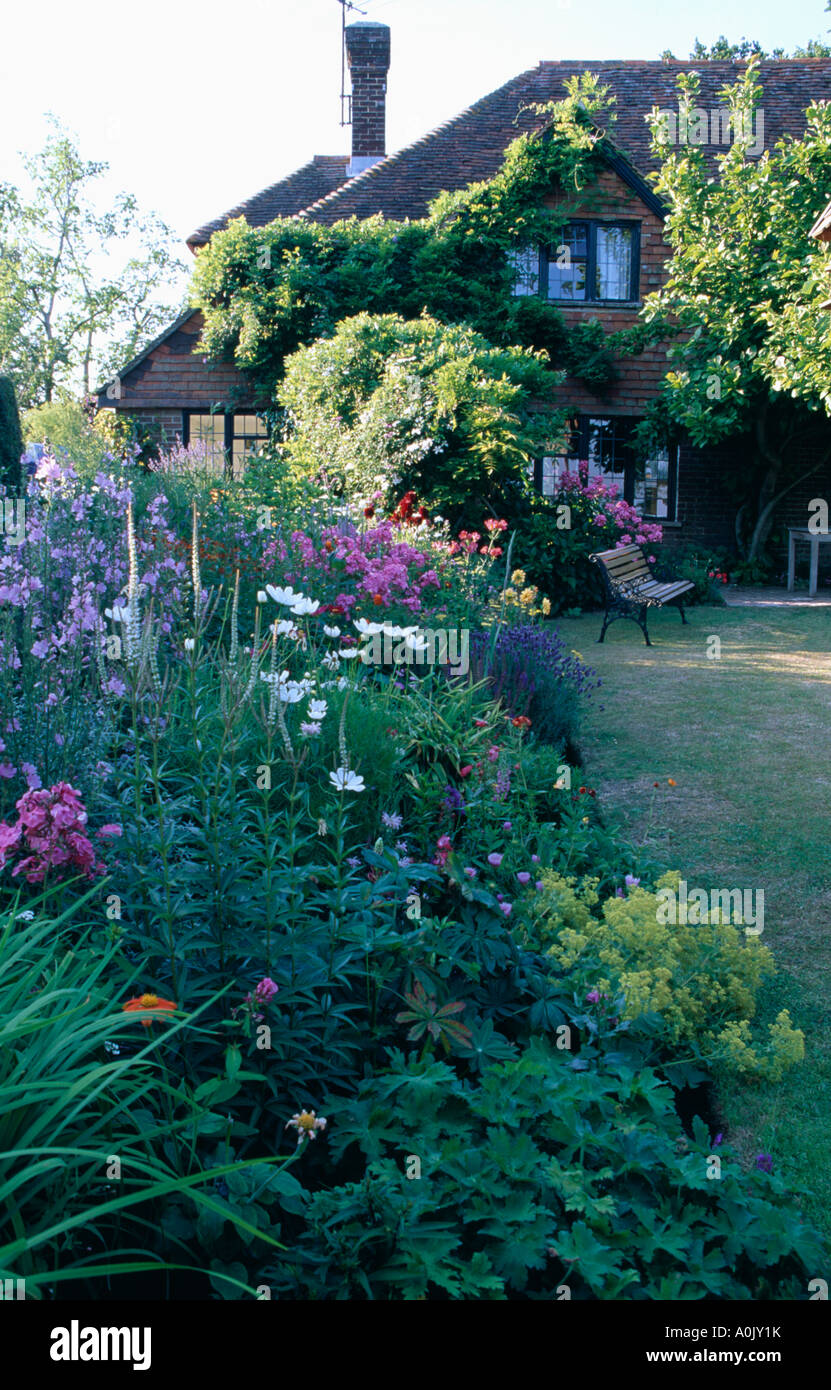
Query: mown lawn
747, 738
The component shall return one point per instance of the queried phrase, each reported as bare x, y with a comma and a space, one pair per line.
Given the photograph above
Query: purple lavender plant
534, 673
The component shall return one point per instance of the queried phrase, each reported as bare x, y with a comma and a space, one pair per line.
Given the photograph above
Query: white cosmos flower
286, 596
416, 643
347, 653
367, 629
189, 644
284, 628
317, 709
331, 661
331, 631
291, 693
305, 605
345, 781
261, 595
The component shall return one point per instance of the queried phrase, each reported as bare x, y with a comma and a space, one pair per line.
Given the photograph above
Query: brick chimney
368, 54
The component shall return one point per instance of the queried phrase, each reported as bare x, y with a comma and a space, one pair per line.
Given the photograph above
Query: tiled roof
470, 147
320, 176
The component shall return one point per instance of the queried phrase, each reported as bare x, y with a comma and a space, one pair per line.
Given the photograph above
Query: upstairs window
594, 263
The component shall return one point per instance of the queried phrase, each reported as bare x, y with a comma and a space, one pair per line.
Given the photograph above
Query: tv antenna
345, 97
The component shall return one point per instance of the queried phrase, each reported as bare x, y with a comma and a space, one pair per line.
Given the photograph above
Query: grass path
747, 738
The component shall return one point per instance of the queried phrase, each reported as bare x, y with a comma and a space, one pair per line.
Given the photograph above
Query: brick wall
164, 426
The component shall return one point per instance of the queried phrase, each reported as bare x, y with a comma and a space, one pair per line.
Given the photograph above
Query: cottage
609, 260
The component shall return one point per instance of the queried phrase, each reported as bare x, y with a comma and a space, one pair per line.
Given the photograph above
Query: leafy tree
11, 442
66, 313
740, 301
725, 51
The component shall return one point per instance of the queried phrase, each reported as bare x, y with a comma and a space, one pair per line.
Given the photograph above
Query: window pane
525, 262
566, 277
209, 431
652, 490
614, 263
576, 238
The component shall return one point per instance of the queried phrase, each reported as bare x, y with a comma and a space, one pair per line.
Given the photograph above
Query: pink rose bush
51, 835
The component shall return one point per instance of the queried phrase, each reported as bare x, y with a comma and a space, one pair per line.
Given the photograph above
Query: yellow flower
546, 606
518, 577
510, 594
527, 596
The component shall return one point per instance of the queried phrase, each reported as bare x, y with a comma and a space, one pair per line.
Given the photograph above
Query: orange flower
377, 600
671, 782
149, 1002
521, 722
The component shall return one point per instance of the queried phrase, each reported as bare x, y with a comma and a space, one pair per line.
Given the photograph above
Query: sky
197, 107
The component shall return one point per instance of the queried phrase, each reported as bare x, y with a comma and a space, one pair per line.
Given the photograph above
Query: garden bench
630, 589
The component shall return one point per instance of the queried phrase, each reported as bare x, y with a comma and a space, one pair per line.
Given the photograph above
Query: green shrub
11, 441
66, 428
387, 405
699, 979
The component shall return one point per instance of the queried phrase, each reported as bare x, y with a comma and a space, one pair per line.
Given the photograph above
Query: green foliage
11, 441
724, 51
544, 1178
699, 977
387, 405
63, 320
83, 1084
65, 426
